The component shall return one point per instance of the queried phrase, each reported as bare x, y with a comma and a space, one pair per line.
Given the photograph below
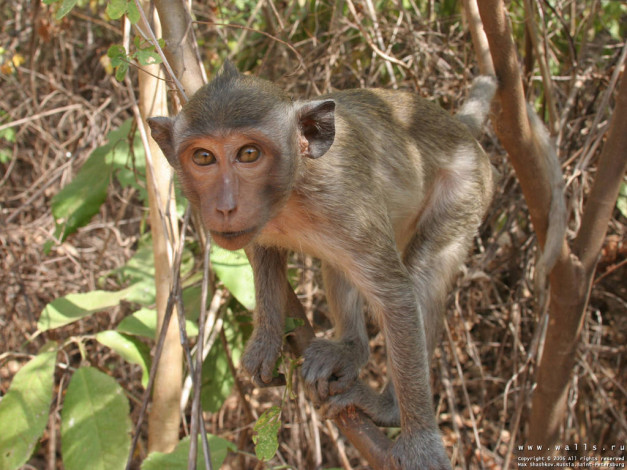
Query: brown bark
164, 419
571, 281
512, 126
367, 438
572, 275
479, 39
181, 45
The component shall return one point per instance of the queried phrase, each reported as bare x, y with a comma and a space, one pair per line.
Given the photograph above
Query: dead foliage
61, 102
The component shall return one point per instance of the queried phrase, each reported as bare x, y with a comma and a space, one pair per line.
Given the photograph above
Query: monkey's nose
226, 204
227, 211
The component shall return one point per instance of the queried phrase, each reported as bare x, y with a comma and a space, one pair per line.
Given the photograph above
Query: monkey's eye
203, 157
248, 154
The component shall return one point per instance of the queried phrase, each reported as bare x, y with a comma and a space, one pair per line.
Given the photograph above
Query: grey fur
390, 203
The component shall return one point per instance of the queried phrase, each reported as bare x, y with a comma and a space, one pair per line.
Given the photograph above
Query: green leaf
217, 380
291, 323
80, 200
177, 459
8, 134
144, 323
24, 410
73, 307
132, 12
95, 423
233, 269
267, 430
131, 349
621, 202
116, 9
120, 71
141, 323
119, 60
146, 54
117, 54
139, 271
66, 7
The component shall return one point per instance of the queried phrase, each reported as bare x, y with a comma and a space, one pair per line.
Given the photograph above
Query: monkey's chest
298, 229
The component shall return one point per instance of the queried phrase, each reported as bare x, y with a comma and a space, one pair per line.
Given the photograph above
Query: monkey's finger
341, 385
276, 381
322, 389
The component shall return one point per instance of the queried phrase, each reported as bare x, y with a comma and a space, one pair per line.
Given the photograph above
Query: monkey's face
237, 180
237, 146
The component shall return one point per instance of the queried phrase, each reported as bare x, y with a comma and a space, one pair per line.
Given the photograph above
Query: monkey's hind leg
331, 367
433, 259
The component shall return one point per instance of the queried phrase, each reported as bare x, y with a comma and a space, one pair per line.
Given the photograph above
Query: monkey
384, 187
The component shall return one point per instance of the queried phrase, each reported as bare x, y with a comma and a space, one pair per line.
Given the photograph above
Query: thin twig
155, 42
172, 300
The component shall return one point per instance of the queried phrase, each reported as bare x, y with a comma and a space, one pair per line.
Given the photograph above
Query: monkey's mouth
233, 240
233, 235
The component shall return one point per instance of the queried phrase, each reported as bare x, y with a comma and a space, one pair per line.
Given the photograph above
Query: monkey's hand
418, 449
259, 358
332, 367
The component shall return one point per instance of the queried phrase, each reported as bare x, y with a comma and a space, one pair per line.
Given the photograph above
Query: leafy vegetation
78, 321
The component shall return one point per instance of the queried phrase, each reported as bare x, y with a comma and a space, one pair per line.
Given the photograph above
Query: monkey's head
237, 146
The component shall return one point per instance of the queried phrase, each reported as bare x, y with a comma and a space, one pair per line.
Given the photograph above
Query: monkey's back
389, 149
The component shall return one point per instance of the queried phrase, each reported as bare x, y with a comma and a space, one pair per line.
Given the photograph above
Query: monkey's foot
420, 449
259, 358
380, 407
331, 367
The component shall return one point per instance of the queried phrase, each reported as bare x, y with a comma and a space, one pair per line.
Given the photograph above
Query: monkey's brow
251, 135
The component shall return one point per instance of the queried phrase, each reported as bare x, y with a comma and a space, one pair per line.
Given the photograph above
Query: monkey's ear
316, 120
229, 70
161, 131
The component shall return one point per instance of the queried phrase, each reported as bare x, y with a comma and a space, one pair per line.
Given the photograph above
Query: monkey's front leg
394, 301
420, 445
331, 367
264, 346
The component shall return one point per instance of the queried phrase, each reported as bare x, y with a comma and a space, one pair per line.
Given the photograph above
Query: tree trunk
571, 281
571, 277
164, 418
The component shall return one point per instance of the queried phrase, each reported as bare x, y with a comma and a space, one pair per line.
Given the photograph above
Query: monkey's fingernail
277, 381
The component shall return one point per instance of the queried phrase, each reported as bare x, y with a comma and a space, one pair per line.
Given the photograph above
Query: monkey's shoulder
396, 111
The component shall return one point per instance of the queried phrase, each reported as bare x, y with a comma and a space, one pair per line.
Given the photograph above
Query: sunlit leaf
130, 348
235, 272
177, 459
120, 71
144, 323
141, 323
266, 433
80, 200
24, 410
117, 54
132, 12
66, 7
73, 307
95, 424
116, 8
217, 380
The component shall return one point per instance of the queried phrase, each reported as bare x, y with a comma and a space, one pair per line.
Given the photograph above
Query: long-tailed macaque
384, 187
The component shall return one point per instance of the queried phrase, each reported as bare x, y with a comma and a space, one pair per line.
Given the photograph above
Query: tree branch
367, 438
602, 199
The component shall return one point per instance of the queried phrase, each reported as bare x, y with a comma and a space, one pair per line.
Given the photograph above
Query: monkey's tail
558, 214
475, 110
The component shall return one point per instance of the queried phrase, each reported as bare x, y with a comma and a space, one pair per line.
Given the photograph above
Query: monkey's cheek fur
234, 240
